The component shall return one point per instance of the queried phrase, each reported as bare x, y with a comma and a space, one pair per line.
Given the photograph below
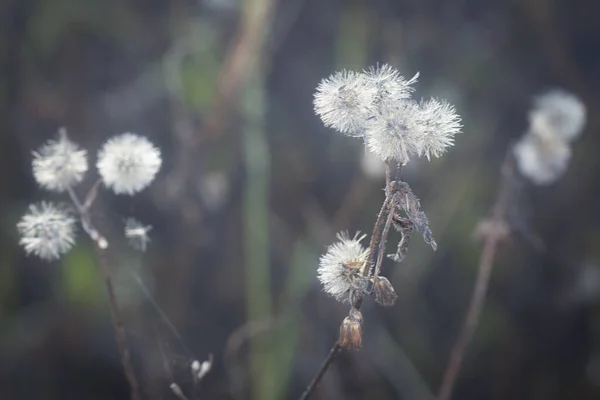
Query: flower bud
350, 331
384, 292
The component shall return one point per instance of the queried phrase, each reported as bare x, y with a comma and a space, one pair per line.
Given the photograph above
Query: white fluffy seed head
542, 160
391, 86
394, 134
47, 231
128, 163
557, 114
137, 234
340, 267
343, 101
438, 123
59, 163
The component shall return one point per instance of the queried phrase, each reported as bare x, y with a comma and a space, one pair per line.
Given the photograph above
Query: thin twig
486, 262
99, 246
313, 384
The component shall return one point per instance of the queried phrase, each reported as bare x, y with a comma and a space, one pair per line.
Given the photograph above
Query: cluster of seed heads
127, 163
543, 153
377, 106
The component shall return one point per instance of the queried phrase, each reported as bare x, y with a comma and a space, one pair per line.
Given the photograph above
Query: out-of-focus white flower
372, 166
542, 160
137, 234
343, 101
46, 231
128, 163
341, 266
394, 134
391, 86
59, 163
438, 123
557, 114
199, 370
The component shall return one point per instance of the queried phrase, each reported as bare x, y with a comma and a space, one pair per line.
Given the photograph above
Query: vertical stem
118, 326
484, 272
99, 246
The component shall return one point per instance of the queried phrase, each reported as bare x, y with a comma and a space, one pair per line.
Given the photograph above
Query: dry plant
126, 164
376, 105
541, 156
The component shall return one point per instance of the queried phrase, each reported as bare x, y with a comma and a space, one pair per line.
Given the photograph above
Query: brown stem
486, 262
313, 384
118, 326
379, 237
99, 246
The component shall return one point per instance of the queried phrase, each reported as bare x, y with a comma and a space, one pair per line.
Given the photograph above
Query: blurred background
253, 188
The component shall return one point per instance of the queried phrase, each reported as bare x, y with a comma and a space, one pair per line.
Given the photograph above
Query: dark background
253, 188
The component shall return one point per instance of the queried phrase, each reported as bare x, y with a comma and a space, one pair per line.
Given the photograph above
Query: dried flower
351, 331
384, 292
438, 123
394, 133
542, 160
391, 86
340, 268
47, 231
137, 234
557, 114
128, 163
59, 163
343, 101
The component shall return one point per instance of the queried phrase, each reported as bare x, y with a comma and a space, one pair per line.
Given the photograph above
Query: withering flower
128, 163
47, 231
390, 85
542, 160
137, 234
385, 294
543, 153
351, 330
343, 101
340, 268
59, 163
557, 114
438, 123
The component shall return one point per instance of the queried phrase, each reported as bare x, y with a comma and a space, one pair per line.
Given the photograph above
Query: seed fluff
137, 234
128, 163
47, 231
340, 267
59, 163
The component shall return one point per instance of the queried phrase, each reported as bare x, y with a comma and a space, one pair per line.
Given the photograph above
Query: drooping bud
384, 292
350, 331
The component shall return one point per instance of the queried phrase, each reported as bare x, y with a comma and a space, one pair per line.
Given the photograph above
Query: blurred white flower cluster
543, 153
126, 164
377, 106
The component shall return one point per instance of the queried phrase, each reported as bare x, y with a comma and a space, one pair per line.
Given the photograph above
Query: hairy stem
486, 262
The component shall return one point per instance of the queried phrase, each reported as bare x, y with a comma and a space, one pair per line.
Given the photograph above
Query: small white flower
343, 101
340, 267
438, 123
394, 134
542, 160
391, 86
46, 231
557, 114
59, 163
128, 163
137, 234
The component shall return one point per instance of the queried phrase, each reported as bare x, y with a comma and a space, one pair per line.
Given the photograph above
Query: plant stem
100, 245
378, 239
486, 262
313, 384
